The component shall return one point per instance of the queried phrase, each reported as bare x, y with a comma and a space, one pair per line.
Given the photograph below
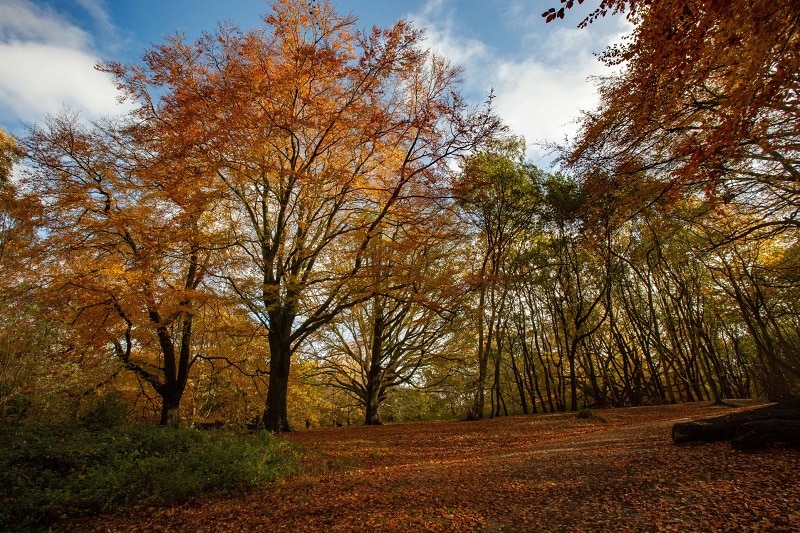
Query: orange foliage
314, 132
706, 103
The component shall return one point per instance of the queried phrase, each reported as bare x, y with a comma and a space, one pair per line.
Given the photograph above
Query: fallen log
747, 430
762, 433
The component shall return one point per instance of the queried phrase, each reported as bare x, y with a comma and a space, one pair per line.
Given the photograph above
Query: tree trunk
276, 417
520, 383
175, 368
170, 411
479, 401
372, 418
573, 378
375, 369
751, 429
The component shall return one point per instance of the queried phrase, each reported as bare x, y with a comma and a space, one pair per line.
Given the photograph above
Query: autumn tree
314, 130
16, 208
388, 340
758, 275
24, 341
704, 111
497, 193
127, 241
706, 104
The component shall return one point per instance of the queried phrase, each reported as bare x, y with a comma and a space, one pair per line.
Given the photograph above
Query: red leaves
551, 14
533, 473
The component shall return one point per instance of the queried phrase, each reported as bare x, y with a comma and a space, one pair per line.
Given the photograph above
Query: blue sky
540, 72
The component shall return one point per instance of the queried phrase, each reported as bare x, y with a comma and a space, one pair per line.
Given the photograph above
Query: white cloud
539, 93
443, 39
48, 63
23, 21
543, 103
542, 96
36, 79
97, 10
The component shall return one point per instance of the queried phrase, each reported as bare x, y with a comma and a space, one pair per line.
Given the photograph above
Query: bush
73, 471
17, 407
106, 412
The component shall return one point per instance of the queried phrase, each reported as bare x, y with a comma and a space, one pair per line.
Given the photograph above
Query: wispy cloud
48, 63
540, 90
97, 10
443, 38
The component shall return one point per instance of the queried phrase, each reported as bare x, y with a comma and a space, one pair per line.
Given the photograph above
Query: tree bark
375, 370
170, 411
372, 418
479, 401
276, 417
747, 430
175, 368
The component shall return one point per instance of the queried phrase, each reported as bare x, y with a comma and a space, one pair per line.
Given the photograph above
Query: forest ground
521, 473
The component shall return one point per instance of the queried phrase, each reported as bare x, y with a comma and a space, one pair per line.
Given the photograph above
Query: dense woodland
308, 224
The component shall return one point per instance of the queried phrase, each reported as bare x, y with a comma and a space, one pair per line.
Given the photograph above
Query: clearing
521, 473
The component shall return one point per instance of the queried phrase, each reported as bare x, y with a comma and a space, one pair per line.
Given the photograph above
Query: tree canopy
306, 222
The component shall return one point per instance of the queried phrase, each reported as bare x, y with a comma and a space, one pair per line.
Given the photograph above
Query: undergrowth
47, 474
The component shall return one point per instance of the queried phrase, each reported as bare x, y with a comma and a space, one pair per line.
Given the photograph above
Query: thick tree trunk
375, 369
175, 367
276, 417
747, 430
372, 418
170, 411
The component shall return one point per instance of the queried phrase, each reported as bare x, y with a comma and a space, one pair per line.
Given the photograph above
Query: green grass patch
52, 473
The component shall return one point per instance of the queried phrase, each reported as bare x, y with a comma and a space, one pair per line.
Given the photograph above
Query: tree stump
748, 430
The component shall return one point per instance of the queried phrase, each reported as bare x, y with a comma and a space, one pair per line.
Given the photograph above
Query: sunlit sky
540, 73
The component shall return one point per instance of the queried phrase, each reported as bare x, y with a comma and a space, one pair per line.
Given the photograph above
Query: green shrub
106, 412
72, 471
17, 407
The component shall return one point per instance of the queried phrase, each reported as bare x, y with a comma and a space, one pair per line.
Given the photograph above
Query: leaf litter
520, 473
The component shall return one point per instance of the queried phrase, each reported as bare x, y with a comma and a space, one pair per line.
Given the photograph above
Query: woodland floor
522, 473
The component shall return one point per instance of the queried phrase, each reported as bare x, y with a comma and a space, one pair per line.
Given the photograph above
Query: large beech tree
127, 238
314, 130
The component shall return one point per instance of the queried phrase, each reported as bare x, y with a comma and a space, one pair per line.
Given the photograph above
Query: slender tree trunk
497, 399
532, 378
591, 376
549, 383
573, 377
479, 401
520, 382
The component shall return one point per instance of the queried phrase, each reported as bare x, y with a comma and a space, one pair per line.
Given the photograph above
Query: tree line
305, 221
